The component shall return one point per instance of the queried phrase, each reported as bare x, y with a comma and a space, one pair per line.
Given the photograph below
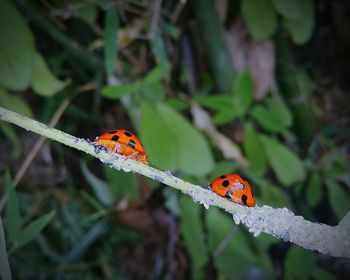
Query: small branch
281, 223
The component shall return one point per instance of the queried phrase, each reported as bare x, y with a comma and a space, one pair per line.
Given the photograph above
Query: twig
280, 222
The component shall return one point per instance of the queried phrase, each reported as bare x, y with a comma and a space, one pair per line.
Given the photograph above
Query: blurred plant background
257, 87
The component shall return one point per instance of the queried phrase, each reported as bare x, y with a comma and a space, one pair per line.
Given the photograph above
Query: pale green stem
280, 223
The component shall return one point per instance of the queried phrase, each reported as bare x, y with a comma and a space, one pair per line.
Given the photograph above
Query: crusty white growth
281, 223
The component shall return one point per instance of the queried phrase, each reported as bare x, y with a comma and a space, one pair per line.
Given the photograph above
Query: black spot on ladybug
112, 132
228, 194
225, 183
131, 143
244, 199
223, 176
127, 133
115, 138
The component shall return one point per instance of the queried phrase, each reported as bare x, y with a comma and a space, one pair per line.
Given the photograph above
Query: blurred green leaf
10, 133
299, 263
292, 9
172, 203
159, 52
14, 103
273, 196
242, 92
301, 28
216, 102
338, 198
33, 229
254, 151
193, 234
223, 167
274, 117
322, 274
5, 271
228, 245
157, 138
153, 90
13, 217
314, 190
286, 165
88, 12
120, 90
345, 222
260, 18
225, 116
100, 188
177, 104
155, 75
111, 26
43, 82
17, 50
123, 185
194, 154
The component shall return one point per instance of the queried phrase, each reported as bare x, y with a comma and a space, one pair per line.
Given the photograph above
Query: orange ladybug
233, 187
123, 142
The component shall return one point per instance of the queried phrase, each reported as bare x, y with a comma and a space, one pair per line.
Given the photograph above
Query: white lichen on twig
281, 223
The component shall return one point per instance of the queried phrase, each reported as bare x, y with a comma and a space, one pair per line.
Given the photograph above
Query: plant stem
281, 223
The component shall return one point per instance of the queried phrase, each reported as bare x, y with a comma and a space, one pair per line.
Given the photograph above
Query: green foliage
260, 18
17, 234
166, 132
193, 234
242, 92
296, 269
17, 50
111, 26
286, 165
43, 82
314, 190
160, 54
338, 198
5, 271
254, 151
102, 191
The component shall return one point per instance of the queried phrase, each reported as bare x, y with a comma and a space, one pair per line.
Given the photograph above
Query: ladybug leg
228, 194
209, 186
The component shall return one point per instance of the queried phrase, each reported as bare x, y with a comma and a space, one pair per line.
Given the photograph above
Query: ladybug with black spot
123, 142
234, 188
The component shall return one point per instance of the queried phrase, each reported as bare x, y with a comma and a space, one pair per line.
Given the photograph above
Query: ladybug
233, 187
123, 142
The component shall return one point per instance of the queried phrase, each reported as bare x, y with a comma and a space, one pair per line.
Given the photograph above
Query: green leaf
43, 82
100, 188
242, 92
34, 228
338, 198
159, 52
292, 9
5, 271
225, 116
286, 165
274, 117
273, 196
117, 91
153, 90
301, 28
314, 190
228, 245
223, 167
123, 185
193, 234
17, 50
111, 26
254, 151
14, 103
88, 12
157, 138
216, 102
260, 18
299, 263
13, 218
322, 274
194, 154
10, 133
177, 103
